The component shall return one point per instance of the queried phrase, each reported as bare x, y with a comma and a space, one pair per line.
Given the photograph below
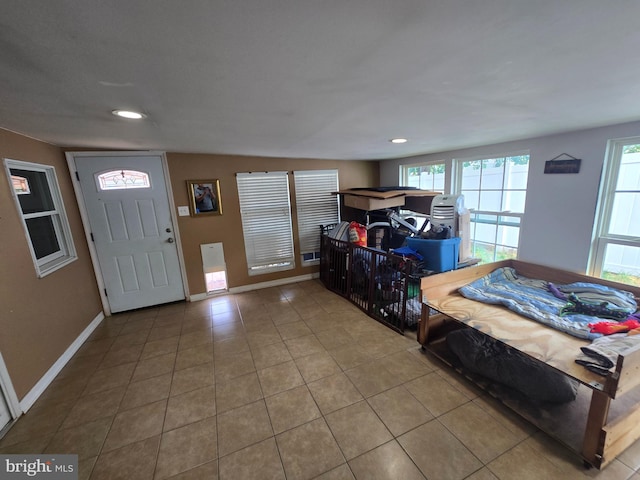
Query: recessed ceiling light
128, 114
398, 140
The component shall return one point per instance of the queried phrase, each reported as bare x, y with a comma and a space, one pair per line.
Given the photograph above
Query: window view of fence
617, 245
494, 191
425, 177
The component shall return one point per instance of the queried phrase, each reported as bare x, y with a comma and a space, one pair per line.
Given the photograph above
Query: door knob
170, 240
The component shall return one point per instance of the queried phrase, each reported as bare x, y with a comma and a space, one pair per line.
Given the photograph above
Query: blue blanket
533, 299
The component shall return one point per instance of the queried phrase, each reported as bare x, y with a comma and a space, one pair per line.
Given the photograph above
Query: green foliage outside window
496, 162
428, 169
487, 252
621, 277
631, 149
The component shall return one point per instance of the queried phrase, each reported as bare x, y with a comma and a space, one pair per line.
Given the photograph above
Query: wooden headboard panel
443, 284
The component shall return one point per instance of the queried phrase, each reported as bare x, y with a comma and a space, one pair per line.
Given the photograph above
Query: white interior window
316, 205
425, 176
615, 253
20, 185
39, 202
266, 221
494, 191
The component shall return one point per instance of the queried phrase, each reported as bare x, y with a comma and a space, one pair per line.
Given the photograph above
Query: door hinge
105, 293
77, 176
92, 239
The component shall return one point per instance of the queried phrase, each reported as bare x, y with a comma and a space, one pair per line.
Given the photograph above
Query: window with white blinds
266, 221
315, 206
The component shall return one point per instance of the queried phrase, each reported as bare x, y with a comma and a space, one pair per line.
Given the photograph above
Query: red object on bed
609, 328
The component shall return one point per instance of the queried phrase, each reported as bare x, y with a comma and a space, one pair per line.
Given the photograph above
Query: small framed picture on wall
204, 197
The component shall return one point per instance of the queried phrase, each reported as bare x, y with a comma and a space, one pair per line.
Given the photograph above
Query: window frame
249, 203
66, 252
314, 204
604, 210
404, 172
404, 182
457, 167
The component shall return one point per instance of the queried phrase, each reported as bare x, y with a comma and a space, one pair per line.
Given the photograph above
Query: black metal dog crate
383, 285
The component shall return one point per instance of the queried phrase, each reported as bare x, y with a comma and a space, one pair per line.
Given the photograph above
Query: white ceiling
319, 79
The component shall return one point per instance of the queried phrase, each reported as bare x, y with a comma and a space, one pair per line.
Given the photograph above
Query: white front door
128, 209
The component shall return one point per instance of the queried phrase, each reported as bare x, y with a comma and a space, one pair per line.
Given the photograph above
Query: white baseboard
257, 286
200, 296
274, 283
30, 398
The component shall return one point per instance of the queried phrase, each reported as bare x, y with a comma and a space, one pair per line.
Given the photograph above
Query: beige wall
39, 317
228, 227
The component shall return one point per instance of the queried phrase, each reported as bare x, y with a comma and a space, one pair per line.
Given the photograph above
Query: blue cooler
439, 255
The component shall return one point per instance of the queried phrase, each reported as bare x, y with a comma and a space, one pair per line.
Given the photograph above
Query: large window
316, 205
266, 221
615, 253
494, 191
37, 196
425, 176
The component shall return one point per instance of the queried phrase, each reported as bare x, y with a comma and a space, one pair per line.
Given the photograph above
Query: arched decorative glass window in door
123, 179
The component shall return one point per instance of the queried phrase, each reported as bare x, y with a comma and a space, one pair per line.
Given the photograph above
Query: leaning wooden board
609, 426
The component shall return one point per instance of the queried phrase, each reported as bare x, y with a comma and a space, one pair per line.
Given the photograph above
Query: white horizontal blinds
316, 205
266, 221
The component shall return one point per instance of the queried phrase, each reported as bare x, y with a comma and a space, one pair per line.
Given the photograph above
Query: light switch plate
183, 211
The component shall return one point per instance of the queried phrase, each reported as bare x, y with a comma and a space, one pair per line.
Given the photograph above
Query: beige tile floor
282, 383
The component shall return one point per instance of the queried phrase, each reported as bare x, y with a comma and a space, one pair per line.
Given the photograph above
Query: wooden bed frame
594, 425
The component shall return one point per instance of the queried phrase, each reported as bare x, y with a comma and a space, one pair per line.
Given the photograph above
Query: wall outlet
183, 211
